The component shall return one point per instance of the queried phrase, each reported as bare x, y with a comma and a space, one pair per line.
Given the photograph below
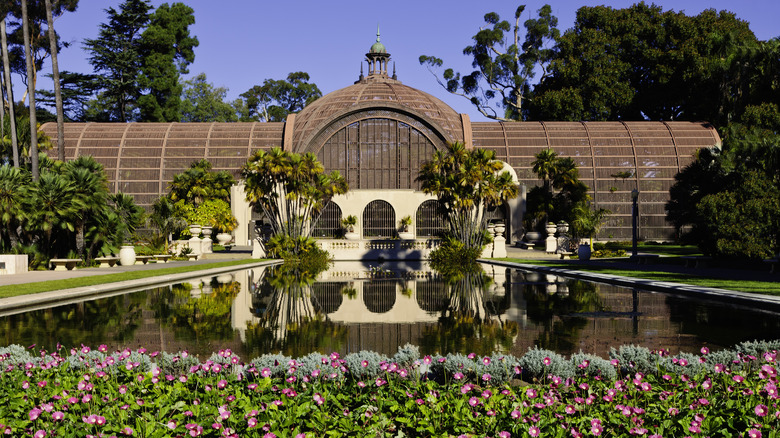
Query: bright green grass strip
758, 287
47, 286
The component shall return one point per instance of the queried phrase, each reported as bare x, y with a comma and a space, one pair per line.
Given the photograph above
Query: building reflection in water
354, 307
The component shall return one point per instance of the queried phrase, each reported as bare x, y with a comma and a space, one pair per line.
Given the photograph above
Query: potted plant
404, 223
587, 223
349, 223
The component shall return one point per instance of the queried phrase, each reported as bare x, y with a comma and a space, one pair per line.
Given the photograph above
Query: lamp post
634, 215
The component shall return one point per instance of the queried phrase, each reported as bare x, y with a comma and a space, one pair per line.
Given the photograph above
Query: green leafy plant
349, 223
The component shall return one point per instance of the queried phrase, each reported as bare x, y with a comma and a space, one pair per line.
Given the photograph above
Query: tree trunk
55, 72
9, 93
31, 91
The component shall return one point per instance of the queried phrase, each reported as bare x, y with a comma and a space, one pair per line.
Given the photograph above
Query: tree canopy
275, 99
503, 62
203, 102
139, 55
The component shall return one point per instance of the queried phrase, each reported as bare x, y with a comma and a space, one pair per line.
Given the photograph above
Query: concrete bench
644, 259
142, 260
162, 258
64, 264
696, 261
192, 257
773, 265
565, 255
107, 262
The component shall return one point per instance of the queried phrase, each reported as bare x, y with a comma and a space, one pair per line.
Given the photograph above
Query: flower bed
636, 392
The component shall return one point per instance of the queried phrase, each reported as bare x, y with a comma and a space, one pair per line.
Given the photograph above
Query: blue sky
243, 42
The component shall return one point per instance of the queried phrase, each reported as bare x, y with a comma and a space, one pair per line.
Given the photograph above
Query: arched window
379, 296
377, 153
329, 222
379, 219
430, 219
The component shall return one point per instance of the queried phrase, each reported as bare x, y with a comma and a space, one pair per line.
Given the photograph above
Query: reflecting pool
354, 306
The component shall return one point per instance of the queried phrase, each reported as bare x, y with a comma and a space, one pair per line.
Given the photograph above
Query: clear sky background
243, 42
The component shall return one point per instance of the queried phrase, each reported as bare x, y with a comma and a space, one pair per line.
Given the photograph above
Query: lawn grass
664, 249
759, 287
14, 290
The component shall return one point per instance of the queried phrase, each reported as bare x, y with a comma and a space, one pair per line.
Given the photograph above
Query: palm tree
53, 207
55, 70
166, 220
131, 216
467, 183
91, 188
545, 166
31, 90
14, 187
9, 89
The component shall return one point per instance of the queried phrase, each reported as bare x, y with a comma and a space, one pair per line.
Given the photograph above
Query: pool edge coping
29, 302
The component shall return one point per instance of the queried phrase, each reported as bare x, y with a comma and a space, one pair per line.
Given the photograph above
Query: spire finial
377, 32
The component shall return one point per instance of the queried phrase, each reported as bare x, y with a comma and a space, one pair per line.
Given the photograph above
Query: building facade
378, 131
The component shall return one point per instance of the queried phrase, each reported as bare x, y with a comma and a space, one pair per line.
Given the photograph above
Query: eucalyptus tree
291, 190
467, 183
275, 99
504, 63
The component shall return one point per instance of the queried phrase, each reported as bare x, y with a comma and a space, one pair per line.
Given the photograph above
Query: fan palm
53, 207
14, 188
91, 188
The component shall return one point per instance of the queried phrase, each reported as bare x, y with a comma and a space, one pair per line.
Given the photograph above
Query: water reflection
353, 307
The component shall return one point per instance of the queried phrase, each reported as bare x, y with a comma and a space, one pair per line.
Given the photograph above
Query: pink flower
530, 393
57, 416
534, 431
34, 414
705, 350
761, 410
457, 376
252, 422
515, 414
754, 433
127, 431
504, 434
546, 361
473, 401
486, 360
40, 434
318, 398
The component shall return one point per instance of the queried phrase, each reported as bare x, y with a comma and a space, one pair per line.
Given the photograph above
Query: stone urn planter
533, 236
224, 238
127, 255
195, 230
583, 251
405, 235
351, 235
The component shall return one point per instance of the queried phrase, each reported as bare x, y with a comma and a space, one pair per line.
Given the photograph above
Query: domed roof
377, 98
377, 47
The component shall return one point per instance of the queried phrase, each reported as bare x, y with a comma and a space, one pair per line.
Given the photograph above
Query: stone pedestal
551, 243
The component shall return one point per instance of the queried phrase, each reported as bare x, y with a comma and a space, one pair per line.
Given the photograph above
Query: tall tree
55, 71
167, 50
116, 56
203, 102
644, 62
275, 99
31, 90
503, 64
9, 88
78, 96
